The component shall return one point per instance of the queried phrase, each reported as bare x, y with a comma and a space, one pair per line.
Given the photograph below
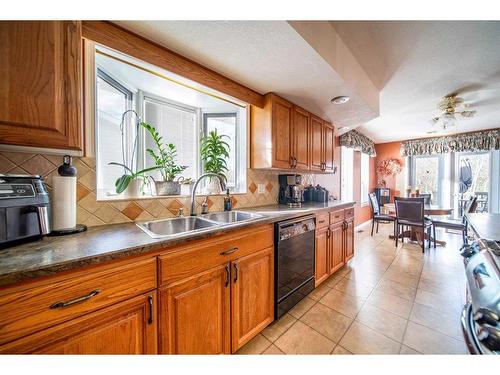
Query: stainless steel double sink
194, 224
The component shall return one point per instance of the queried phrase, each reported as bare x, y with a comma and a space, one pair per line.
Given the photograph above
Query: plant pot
213, 186
167, 188
134, 189
186, 189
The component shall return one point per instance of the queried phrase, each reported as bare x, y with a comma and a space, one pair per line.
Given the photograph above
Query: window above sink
180, 110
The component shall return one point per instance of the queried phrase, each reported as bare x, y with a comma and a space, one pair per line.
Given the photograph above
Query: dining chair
455, 224
410, 213
482, 201
427, 198
377, 216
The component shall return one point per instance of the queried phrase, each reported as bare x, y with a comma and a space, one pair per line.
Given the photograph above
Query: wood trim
120, 39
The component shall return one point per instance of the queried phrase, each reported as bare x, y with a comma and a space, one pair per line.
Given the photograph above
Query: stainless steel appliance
291, 190
294, 262
24, 209
480, 316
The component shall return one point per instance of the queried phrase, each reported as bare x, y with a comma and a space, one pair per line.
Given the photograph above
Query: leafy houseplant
131, 179
165, 159
214, 152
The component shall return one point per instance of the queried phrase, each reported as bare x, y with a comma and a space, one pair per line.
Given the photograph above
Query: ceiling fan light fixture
342, 99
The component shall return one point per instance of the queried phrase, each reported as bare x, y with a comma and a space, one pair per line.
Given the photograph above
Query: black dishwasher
294, 262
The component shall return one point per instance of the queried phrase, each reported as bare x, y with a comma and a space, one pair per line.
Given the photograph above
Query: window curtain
466, 142
359, 142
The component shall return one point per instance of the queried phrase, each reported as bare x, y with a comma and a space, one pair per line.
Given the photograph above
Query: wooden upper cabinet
317, 143
301, 138
40, 85
195, 314
252, 295
329, 147
282, 132
125, 328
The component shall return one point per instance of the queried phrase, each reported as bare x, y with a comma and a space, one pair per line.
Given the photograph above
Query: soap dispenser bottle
227, 201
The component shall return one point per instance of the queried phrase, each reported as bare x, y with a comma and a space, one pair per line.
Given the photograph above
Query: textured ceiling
414, 64
267, 56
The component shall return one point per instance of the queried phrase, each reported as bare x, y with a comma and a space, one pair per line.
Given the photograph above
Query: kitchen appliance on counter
294, 262
481, 314
291, 190
24, 209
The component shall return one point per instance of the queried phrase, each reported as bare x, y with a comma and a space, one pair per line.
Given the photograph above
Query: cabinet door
195, 314
317, 144
322, 264
128, 327
329, 146
282, 133
349, 240
301, 133
252, 295
40, 85
336, 249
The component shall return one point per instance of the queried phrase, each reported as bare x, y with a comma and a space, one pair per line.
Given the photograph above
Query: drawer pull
63, 304
229, 251
321, 221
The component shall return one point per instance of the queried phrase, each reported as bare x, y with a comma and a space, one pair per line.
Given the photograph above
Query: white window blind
365, 178
177, 125
347, 172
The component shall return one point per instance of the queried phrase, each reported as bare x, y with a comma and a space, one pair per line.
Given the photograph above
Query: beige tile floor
387, 300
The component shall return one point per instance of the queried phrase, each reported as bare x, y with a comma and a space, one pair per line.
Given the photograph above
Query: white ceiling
414, 64
267, 56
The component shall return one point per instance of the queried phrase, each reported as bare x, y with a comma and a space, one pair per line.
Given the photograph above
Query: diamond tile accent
252, 187
81, 192
269, 187
174, 206
38, 165
132, 211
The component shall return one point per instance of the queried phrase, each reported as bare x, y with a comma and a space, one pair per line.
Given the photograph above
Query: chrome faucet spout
222, 183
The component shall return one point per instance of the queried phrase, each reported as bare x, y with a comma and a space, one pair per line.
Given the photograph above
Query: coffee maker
291, 190
24, 209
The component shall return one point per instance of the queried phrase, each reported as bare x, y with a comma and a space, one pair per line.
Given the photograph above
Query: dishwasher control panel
297, 228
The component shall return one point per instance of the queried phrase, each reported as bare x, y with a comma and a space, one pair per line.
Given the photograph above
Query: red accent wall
385, 151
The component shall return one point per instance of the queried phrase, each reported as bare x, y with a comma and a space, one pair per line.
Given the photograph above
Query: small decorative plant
214, 152
122, 182
165, 156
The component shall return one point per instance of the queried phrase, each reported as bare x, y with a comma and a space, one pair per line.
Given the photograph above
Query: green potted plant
165, 159
214, 152
130, 183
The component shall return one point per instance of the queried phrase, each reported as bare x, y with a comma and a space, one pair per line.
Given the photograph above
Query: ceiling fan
452, 107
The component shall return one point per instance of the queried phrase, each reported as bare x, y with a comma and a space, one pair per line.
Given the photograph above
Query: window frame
440, 176
347, 184
363, 198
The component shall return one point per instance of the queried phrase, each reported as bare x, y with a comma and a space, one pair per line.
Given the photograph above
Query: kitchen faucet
222, 183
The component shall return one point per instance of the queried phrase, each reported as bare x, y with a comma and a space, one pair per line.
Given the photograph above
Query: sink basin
176, 226
229, 217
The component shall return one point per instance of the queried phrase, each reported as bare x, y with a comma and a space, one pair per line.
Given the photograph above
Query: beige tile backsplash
92, 212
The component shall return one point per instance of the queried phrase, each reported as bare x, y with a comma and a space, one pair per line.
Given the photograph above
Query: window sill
120, 198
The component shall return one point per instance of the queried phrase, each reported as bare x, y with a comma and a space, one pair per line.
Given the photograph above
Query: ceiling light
340, 99
343, 128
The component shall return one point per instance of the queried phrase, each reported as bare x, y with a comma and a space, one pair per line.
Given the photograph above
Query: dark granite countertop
486, 226
108, 242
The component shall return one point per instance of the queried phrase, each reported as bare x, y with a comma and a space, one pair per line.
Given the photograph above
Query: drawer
349, 213
31, 309
322, 220
336, 216
192, 259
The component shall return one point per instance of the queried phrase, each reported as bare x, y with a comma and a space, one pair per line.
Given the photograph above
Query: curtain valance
359, 142
466, 142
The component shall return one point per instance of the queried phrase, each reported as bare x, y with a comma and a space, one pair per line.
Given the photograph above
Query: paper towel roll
63, 202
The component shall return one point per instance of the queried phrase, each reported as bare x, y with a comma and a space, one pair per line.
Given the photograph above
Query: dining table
429, 210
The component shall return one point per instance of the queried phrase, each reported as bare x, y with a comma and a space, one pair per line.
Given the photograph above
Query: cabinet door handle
228, 275
321, 221
150, 305
235, 266
63, 304
230, 251
328, 233
291, 161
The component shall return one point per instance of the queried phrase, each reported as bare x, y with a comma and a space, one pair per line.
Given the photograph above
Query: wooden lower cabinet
336, 248
252, 295
127, 327
195, 314
322, 248
349, 239
219, 310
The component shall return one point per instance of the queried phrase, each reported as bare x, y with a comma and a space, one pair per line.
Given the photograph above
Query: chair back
410, 209
471, 205
427, 198
374, 203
